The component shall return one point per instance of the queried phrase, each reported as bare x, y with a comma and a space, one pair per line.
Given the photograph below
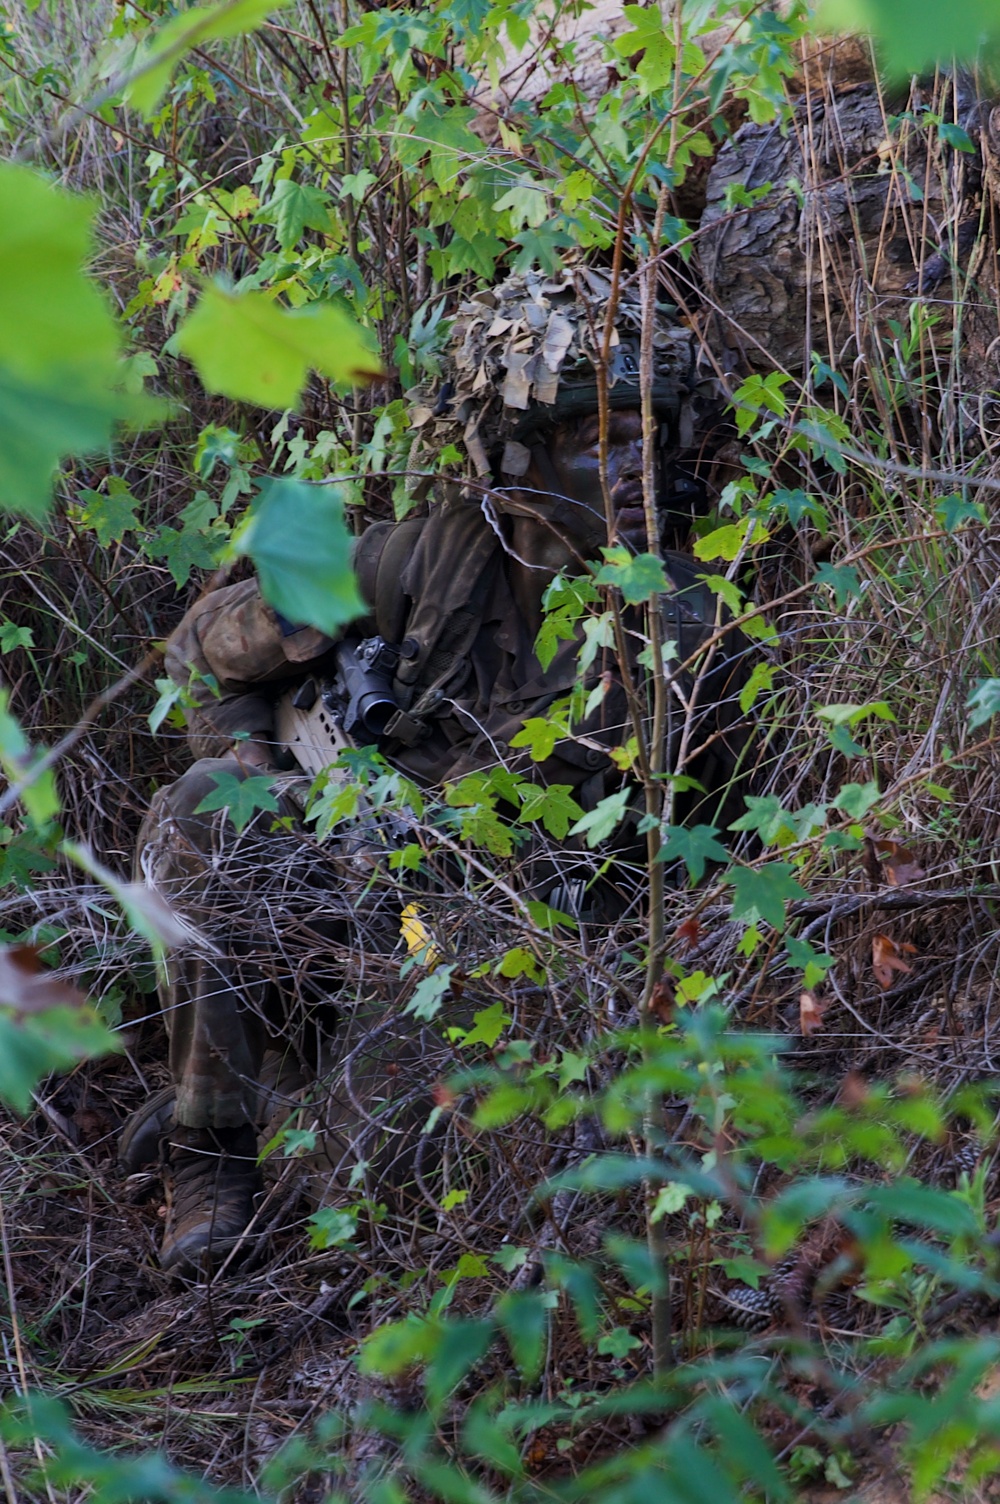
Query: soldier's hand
252, 753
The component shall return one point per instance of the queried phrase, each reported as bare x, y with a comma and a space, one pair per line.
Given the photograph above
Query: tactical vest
427, 581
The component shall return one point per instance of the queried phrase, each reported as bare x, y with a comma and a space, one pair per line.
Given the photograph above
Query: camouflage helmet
523, 356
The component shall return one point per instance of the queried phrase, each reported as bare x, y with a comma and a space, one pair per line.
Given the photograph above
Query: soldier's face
574, 453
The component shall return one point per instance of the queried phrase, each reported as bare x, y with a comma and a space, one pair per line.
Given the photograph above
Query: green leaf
762, 678
527, 204
748, 1455
20, 859
554, 806
397, 1346
766, 816
17, 758
757, 392
951, 512
430, 993
523, 1317
301, 548
156, 60
842, 741
726, 542
40, 425
504, 1103
52, 317
726, 590
637, 1263
483, 1438
954, 136
110, 516
983, 703
842, 579
59, 344
618, 1343
656, 44
488, 1024
601, 821
356, 184
694, 847
813, 963
805, 1200
856, 799
454, 148
518, 962
916, 34
294, 208
851, 714
799, 504
332, 1227
907, 1200
539, 735
184, 551
13, 636
540, 248
248, 347
638, 576
34, 1045
242, 797
762, 892
459, 1347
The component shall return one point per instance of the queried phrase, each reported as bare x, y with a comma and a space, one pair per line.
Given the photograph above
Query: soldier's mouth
630, 513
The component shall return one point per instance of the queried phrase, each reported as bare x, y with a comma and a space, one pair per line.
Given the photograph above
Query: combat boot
212, 1179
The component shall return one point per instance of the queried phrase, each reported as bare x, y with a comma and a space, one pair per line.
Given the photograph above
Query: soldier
456, 602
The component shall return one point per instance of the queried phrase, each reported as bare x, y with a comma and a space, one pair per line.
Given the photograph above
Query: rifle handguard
309, 729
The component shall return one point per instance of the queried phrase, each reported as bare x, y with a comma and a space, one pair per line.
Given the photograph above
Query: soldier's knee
177, 805
182, 798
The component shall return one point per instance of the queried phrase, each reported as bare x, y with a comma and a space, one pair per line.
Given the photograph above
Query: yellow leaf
417, 937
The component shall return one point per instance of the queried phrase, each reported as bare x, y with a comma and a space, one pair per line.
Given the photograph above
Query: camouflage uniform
439, 588
481, 677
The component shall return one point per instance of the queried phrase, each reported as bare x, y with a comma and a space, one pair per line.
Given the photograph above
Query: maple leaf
599, 823
761, 892
184, 551
554, 806
811, 1010
242, 797
887, 958
539, 735
111, 516
694, 847
294, 208
638, 576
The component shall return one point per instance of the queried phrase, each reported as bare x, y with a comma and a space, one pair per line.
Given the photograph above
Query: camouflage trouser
290, 949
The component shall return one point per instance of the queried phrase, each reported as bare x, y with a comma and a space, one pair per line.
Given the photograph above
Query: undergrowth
776, 1134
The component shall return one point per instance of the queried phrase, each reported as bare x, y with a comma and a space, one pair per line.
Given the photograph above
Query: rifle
354, 706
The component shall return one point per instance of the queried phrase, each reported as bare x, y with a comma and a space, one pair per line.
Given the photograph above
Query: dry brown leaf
27, 988
689, 931
537, 1454
853, 1090
662, 1002
811, 1010
901, 866
887, 958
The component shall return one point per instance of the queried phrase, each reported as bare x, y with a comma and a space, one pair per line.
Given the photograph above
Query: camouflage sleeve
233, 637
